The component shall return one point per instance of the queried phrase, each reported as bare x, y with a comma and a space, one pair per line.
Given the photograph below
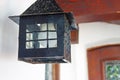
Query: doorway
104, 62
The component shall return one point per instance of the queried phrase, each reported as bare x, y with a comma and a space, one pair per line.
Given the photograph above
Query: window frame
47, 39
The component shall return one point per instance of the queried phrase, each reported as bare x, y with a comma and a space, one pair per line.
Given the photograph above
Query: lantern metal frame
47, 12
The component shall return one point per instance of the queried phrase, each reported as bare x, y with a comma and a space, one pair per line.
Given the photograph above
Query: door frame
92, 71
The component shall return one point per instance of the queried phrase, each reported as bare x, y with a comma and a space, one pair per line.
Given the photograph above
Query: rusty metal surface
43, 6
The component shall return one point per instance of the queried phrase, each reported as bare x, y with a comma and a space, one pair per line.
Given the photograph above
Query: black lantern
44, 33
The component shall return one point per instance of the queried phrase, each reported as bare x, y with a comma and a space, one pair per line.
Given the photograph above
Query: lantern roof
45, 7
39, 7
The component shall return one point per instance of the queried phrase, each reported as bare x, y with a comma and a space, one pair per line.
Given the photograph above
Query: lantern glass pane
51, 26
32, 28
52, 43
43, 44
29, 45
43, 27
36, 44
29, 36
52, 35
42, 35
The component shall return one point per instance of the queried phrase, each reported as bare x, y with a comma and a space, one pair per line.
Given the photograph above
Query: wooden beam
74, 36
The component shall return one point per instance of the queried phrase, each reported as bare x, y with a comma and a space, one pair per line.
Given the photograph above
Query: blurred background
10, 67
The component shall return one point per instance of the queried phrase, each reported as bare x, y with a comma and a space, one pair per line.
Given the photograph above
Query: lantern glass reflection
41, 36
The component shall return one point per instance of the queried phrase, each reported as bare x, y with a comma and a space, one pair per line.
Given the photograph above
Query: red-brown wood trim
97, 47
109, 17
74, 36
92, 10
56, 71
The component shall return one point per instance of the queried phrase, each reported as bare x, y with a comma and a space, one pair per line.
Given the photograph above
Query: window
112, 70
41, 35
